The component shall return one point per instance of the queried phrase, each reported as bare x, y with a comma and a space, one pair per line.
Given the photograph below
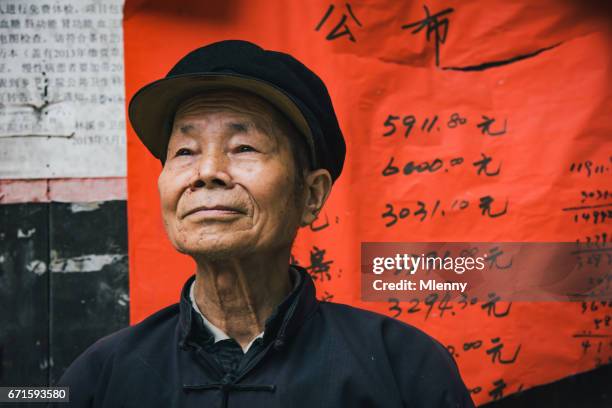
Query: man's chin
215, 251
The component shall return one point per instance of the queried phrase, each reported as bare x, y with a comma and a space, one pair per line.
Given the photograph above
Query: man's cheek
178, 235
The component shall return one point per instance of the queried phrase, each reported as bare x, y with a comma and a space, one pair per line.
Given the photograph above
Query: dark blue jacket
321, 355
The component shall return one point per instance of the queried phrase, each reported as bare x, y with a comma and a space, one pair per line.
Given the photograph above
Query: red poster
465, 121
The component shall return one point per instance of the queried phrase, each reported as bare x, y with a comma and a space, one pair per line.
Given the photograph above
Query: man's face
227, 187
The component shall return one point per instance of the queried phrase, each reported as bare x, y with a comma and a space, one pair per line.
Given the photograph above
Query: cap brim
152, 108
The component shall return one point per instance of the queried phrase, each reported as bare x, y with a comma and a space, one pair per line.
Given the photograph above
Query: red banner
464, 121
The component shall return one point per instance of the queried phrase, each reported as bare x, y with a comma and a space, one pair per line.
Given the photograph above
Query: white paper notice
62, 97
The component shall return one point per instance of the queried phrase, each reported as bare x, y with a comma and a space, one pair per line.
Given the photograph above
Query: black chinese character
496, 351
485, 206
319, 268
482, 166
433, 26
485, 126
338, 30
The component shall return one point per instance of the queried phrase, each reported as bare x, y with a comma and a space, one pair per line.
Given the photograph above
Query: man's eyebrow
186, 128
233, 126
241, 126
244, 126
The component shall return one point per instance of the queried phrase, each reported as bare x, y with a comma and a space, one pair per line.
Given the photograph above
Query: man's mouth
214, 211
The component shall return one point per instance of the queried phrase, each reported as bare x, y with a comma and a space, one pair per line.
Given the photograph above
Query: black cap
277, 77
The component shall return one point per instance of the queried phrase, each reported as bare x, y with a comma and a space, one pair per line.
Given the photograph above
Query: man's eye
183, 152
245, 148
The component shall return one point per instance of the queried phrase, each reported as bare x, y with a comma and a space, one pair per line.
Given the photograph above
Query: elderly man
250, 147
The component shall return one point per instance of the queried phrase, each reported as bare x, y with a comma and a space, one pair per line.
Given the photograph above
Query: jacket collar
280, 327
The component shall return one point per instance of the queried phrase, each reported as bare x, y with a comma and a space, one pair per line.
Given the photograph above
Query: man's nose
212, 170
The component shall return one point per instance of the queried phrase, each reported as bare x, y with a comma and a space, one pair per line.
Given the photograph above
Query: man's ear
318, 185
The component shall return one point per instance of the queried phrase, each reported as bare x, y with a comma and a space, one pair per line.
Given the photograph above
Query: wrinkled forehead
250, 109
238, 102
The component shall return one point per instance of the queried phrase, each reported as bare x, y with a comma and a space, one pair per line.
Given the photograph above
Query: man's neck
238, 296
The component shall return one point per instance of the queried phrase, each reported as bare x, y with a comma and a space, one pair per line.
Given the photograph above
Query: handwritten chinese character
485, 206
319, 268
491, 306
485, 126
492, 256
341, 28
496, 352
319, 227
498, 391
483, 164
433, 24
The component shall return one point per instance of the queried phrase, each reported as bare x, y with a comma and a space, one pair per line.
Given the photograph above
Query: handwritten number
389, 123
390, 213
408, 122
415, 306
